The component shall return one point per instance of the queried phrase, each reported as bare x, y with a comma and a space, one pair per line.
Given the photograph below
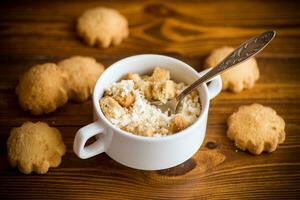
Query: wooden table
43, 31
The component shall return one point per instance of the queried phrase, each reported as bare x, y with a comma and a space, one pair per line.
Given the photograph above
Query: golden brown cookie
256, 128
111, 108
102, 26
125, 101
139, 129
238, 78
35, 147
42, 89
147, 87
83, 73
135, 77
159, 74
163, 91
178, 123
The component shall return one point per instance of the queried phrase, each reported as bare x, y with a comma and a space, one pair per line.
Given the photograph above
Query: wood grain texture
33, 32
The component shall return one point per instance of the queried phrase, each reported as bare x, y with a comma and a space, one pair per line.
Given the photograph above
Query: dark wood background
33, 32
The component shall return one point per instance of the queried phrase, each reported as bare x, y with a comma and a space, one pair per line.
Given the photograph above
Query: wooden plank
155, 28
278, 88
35, 32
216, 172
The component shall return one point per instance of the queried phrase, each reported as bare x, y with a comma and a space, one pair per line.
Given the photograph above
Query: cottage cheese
121, 88
141, 117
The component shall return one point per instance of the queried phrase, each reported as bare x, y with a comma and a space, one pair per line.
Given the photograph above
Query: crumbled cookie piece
163, 131
132, 76
102, 26
140, 129
145, 131
194, 96
145, 77
178, 123
159, 75
121, 88
139, 83
140, 117
146, 87
83, 73
122, 92
42, 89
35, 147
125, 101
111, 108
243, 76
189, 107
163, 91
256, 128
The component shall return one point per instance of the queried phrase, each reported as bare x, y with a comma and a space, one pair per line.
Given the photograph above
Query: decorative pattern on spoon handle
246, 50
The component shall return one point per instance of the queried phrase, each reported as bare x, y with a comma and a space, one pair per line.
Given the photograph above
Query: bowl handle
214, 85
83, 135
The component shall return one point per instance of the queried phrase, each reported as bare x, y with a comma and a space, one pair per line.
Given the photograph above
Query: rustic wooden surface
41, 31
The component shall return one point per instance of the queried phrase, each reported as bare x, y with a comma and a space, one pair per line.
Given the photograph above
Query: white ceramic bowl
141, 152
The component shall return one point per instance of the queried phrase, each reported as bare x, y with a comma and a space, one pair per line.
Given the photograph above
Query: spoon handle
245, 51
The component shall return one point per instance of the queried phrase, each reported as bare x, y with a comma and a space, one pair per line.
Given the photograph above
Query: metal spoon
245, 51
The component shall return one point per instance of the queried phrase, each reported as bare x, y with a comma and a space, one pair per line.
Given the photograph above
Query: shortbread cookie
125, 101
178, 123
158, 74
122, 92
111, 108
102, 26
83, 73
147, 87
35, 147
139, 129
139, 83
163, 91
237, 78
256, 128
135, 77
42, 89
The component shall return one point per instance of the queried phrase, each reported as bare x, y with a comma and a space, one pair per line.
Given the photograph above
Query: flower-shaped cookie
242, 76
83, 73
35, 147
256, 128
42, 89
102, 26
